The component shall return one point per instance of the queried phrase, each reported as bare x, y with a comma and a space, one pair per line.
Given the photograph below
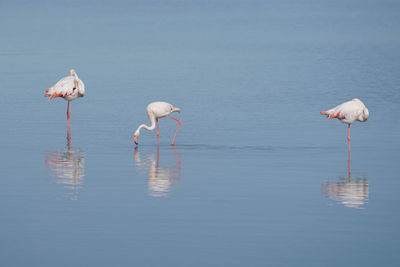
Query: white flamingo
348, 112
156, 110
69, 88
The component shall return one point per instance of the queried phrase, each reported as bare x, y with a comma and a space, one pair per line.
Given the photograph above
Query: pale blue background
252, 155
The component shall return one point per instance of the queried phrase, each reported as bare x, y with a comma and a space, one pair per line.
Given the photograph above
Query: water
257, 176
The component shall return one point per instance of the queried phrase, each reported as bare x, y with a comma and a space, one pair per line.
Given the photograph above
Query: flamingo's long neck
149, 128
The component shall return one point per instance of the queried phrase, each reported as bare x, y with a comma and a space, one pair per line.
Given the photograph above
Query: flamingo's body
69, 88
348, 112
156, 110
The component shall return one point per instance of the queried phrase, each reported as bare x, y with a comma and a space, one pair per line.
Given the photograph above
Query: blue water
257, 177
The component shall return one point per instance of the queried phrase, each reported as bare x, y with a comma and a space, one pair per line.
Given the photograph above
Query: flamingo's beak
135, 140
174, 109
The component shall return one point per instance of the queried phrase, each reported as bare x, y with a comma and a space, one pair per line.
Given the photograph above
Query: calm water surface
257, 176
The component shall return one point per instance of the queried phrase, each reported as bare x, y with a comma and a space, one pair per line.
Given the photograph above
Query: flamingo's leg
69, 110
158, 134
69, 123
348, 135
348, 138
173, 140
158, 130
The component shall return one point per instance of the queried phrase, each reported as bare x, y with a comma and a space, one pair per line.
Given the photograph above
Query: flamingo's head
364, 116
81, 88
175, 109
135, 137
72, 72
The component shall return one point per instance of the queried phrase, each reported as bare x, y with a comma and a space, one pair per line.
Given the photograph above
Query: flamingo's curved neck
149, 128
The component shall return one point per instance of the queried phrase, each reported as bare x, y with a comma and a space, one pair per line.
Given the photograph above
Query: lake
257, 176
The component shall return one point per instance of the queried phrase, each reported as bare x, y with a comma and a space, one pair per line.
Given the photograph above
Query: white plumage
348, 112
69, 88
156, 110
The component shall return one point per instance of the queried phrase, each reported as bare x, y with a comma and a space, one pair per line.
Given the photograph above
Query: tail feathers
330, 114
47, 94
50, 93
53, 94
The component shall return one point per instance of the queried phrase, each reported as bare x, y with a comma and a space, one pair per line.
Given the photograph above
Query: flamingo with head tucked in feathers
348, 112
69, 88
156, 110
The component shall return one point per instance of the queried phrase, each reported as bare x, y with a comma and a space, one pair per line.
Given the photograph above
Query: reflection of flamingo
160, 179
155, 111
350, 192
67, 167
69, 88
348, 112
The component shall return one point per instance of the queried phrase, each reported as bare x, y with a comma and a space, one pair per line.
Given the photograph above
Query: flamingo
69, 88
156, 110
348, 112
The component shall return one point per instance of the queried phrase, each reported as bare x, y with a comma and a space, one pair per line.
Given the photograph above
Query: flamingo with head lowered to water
156, 110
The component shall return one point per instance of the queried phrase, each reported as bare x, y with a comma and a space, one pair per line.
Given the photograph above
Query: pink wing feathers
64, 87
348, 112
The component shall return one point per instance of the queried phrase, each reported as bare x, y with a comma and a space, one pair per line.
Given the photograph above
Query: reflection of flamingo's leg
69, 141
158, 154
177, 158
173, 140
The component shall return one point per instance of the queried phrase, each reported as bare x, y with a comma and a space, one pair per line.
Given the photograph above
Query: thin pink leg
348, 138
69, 110
158, 130
69, 130
69, 124
173, 140
158, 133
